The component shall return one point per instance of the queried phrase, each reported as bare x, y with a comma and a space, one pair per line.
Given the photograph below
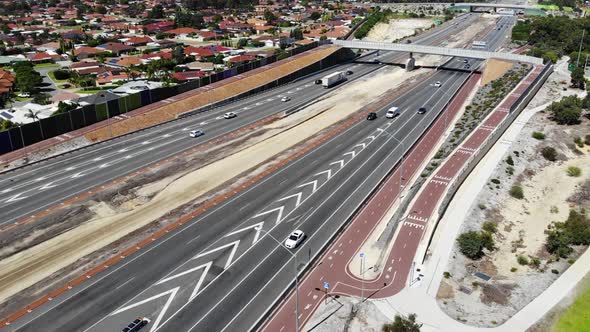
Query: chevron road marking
156, 323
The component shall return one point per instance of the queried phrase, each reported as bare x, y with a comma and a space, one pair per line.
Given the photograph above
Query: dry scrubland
520, 266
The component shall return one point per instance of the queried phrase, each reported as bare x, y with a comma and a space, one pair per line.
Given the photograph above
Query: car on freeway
372, 116
392, 112
376, 61
230, 115
349, 72
136, 325
294, 239
285, 98
318, 82
467, 66
422, 110
409, 41
196, 133
465, 60
437, 84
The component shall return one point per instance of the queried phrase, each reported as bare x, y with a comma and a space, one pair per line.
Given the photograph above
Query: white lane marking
298, 195
314, 188
257, 227
231, 255
193, 239
205, 268
279, 216
77, 175
126, 282
340, 162
203, 123
328, 171
15, 198
7, 190
47, 186
171, 294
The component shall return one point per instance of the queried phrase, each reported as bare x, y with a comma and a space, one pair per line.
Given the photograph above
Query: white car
230, 115
294, 239
392, 113
285, 98
437, 84
196, 133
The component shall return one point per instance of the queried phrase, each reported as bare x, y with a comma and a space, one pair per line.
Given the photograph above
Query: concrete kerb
422, 251
184, 219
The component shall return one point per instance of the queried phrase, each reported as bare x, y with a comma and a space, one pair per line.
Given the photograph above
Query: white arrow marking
269, 99
203, 123
103, 165
380, 130
257, 227
7, 190
15, 198
128, 156
258, 103
47, 186
298, 195
172, 293
166, 135
326, 171
279, 217
40, 179
71, 168
123, 150
352, 153
341, 162
246, 108
77, 175
206, 267
219, 117
372, 137
145, 143
314, 182
97, 159
231, 254
361, 144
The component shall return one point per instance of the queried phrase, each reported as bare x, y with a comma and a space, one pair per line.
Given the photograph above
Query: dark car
422, 110
349, 72
409, 41
318, 81
372, 116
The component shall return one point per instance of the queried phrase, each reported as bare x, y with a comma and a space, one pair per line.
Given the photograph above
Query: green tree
35, 116
567, 111
296, 34
577, 77
63, 107
157, 12
6, 124
402, 324
269, 16
315, 16
178, 55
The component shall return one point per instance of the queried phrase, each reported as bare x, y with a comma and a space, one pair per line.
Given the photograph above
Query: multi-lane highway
34, 188
222, 270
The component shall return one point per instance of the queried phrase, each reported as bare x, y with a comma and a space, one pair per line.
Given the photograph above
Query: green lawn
577, 317
22, 98
46, 65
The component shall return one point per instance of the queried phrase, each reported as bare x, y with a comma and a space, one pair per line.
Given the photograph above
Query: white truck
332, 79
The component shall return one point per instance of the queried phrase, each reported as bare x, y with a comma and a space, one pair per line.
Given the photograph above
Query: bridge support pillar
410, 63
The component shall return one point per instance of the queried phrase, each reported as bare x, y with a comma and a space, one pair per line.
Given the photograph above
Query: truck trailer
332, 79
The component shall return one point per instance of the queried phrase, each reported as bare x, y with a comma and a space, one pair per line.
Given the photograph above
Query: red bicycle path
333, 265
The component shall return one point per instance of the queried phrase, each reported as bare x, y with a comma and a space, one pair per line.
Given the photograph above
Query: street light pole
296, 277
401, 166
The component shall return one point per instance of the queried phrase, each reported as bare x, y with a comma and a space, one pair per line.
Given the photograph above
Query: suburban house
86, 52
182, 32
159, 27
137, 41
6, 83
42, 57
185, 76
84, 67
116, 48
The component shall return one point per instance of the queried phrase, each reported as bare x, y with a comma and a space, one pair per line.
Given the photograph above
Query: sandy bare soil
521, 223
111, 222
398, 29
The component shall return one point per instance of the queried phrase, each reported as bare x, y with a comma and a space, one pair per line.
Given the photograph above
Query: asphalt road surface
222, 270
27, 190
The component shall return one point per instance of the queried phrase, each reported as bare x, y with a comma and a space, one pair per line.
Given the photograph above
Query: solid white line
193, 239
123, 284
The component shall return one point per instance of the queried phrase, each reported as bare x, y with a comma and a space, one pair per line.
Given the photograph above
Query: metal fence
59, 124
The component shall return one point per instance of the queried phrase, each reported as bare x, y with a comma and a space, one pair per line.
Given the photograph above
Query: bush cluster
563, 235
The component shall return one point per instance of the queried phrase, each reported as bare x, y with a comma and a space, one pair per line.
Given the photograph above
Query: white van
392, 113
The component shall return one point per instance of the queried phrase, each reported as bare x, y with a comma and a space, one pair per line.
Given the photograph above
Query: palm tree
35, 116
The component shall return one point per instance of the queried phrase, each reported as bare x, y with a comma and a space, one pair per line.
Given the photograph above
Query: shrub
567, 111
579, 142
574, 171
446, 274
471, 244
513, 269
61, 74
538, 135
571, 261
554, 271
535, 262
549, 153
522, 260
554, 209
481, 206
562, 235
587, 139
490, 227
516, 192
496, 181
509, 170
509, 161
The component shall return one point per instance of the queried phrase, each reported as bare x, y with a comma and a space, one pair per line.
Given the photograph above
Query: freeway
28, 190
186, 266
206, 274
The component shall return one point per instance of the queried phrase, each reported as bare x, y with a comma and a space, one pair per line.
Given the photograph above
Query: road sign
362, 254
326, 285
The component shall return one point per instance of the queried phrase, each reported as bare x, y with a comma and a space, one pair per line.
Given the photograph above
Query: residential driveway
48, 86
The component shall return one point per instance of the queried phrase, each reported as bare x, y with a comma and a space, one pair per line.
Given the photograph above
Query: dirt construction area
520, 267
55, 249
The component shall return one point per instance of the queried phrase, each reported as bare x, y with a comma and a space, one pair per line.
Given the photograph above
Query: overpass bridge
444, 51
471, 5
